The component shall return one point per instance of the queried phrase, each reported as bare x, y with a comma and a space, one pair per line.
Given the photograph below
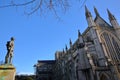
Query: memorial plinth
7, 72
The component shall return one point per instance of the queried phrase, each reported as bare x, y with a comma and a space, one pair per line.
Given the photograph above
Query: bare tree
32, 6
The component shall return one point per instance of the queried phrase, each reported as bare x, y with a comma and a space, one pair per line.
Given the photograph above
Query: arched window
112, 45
104, 77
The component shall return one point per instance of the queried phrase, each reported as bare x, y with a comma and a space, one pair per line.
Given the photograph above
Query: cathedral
95, 55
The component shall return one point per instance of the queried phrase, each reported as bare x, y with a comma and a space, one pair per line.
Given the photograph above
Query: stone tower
114, 23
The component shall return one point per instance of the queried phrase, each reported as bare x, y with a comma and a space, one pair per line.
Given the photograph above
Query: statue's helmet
12, 38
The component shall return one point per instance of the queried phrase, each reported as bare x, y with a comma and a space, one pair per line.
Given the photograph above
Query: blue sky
39, 37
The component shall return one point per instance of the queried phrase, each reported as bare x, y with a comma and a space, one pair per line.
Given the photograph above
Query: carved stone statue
10, 48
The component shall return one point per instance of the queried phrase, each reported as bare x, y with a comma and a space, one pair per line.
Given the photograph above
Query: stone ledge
7, 66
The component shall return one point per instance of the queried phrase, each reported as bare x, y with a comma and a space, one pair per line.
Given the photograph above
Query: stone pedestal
7, 72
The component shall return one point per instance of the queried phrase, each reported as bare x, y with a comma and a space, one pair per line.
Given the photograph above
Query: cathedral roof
101, 22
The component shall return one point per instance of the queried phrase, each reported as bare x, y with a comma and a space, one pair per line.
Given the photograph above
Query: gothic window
117, 47
104, 76
80, 45
89, 39
112, 45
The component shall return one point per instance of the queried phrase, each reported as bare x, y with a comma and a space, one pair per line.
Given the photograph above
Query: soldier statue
9, 55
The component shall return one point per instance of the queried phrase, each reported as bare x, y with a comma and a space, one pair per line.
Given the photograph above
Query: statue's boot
10, 60
6, 59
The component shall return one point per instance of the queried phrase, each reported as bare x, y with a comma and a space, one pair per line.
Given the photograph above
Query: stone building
95, 55
44, 69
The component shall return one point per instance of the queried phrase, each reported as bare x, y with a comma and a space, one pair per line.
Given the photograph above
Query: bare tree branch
83, 3
39, 6
43, 5
13, 4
